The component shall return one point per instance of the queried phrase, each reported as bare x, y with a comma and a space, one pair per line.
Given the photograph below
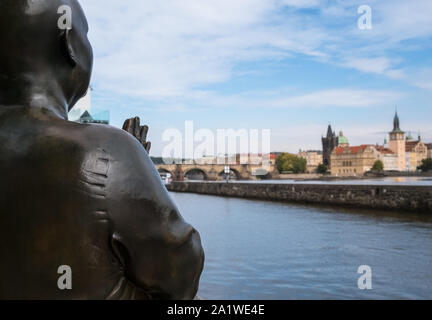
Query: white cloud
157, 49
341, 98
399, 27
169, 49
372, 65
401, 20
424, 85
420, 78
301, 3
288, 98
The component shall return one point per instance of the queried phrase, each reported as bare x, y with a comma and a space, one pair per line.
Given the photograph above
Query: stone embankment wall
391, 197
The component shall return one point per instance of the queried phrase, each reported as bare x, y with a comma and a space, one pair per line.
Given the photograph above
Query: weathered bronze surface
84, 196
138, 131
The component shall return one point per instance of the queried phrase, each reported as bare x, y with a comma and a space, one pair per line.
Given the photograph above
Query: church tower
397, 143
329, 143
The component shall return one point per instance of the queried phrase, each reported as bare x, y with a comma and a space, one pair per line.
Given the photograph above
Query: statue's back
46, 220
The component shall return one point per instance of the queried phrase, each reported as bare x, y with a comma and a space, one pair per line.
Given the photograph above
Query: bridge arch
234, 174
164, 172
196, 174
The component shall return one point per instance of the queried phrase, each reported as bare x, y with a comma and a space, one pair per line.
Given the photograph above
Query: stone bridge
215, 172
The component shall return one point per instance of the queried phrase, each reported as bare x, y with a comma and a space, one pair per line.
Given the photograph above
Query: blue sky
292, 66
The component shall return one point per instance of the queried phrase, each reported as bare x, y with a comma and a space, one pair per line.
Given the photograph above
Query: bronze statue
78, 195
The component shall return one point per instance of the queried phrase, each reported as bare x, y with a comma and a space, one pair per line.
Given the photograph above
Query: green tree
288, 162
282, 162
378, 166
322, 169
299, 165
426, 165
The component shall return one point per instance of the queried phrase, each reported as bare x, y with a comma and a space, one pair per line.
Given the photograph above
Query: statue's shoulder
115, 147
113, 158
97, 136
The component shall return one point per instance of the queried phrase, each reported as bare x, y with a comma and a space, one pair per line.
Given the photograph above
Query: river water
266, 250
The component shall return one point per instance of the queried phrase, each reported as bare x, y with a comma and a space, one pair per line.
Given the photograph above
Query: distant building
388, 157
206, 160
353, 161
83, 105
82, 113
357, 160
397, 143
429, 150
313, 159
256, 159
415, 152
100, 118
328, 144
402, 154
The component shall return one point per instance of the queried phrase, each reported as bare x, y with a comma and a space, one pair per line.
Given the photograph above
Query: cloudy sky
292, 66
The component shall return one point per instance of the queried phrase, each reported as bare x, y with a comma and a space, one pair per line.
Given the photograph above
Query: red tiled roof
384, 150
410, 145
352, 150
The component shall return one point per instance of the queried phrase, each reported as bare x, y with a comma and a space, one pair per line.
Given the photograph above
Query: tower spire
329, 131
396, 124
397, 143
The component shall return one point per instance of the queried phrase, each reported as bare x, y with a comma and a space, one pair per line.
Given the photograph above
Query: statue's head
45, 50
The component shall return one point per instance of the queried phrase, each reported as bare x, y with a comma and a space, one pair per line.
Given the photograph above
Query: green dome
342, 139
409, 137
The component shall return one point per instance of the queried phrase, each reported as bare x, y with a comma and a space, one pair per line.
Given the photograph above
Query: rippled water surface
265, 250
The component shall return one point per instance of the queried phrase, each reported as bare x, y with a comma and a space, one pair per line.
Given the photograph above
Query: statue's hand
140, 132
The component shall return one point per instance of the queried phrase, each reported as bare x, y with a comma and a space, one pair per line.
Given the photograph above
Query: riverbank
383, 197
368, 176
